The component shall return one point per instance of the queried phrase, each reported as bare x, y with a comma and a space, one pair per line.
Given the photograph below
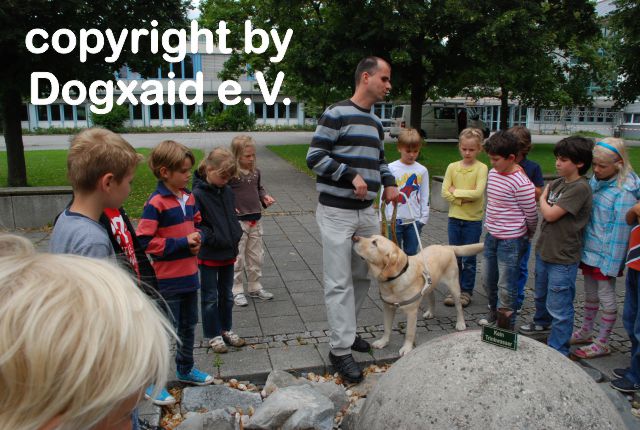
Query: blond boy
100, 167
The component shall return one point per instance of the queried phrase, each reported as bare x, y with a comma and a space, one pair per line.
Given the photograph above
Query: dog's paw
380, 343
461, 326
427, 315
405, 349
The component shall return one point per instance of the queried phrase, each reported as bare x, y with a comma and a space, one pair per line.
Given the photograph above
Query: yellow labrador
402, 278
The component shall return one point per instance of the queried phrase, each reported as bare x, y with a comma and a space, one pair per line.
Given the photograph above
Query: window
68, 113
190, 110
81, 112
271, 111
42, 113
397, 112
177, 69
293, 110
444, 113
636, 118
179, 114
627, 117
55, 112
137, 111
259, 109
188, 67
282, 110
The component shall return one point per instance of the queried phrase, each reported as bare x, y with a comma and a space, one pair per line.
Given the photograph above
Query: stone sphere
459, 382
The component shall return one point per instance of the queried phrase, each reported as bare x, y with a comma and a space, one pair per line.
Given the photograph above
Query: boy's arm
478, 191
633, 215
550, 213
424, 198
525, 198
147, 234
446, 184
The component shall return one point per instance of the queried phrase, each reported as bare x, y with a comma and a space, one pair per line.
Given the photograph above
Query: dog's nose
355, 238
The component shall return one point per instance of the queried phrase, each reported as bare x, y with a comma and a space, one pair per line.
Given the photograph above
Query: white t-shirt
413, 181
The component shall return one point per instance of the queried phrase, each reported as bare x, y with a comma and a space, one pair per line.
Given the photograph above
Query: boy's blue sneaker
195, 377
162, 399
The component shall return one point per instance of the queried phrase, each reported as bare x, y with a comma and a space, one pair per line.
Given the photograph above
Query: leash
384, 225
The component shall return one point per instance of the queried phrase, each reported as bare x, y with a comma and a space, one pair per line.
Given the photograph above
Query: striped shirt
511, 205
348, 141
162, 231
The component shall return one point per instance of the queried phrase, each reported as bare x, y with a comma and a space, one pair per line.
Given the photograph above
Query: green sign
500, 337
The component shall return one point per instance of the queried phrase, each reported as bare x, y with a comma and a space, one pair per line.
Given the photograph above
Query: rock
212, 397
218, 419
351, 416
297, 407
363, 388
280, 379
333, 391
458, 381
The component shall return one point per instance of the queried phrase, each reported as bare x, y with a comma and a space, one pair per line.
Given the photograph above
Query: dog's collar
404, 269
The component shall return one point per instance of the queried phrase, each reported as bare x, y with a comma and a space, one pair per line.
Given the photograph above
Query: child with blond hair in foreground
88, 371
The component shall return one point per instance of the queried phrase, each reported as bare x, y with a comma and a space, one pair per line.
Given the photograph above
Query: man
347, 154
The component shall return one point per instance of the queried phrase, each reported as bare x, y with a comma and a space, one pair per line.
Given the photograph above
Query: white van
439, 120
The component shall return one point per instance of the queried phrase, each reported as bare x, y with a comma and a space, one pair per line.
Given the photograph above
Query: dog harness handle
384, 225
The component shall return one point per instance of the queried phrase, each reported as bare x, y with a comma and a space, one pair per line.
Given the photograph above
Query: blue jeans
554, 294
501, 271
184, 315
407, 238
524, 274
631, 321
463, 232
216, 299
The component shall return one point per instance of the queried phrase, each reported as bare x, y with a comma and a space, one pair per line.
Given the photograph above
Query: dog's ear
392, 265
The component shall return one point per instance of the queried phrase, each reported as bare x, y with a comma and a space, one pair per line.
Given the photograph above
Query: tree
18, 17
626, 50
539, 52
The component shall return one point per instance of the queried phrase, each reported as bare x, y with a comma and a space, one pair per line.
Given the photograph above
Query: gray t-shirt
77, 234
561, 242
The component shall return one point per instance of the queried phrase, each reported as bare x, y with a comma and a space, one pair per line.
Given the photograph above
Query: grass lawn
49, 167
437, 156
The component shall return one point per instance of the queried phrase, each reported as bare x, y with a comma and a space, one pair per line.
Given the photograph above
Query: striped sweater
162, 231
511, 205
348, 141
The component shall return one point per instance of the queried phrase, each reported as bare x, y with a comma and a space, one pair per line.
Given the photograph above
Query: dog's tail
468, 250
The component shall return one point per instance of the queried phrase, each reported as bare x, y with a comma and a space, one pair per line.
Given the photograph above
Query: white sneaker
261, 294
233, 339
217, 345
240, 300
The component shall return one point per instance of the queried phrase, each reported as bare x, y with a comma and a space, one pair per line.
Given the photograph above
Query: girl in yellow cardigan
463, 187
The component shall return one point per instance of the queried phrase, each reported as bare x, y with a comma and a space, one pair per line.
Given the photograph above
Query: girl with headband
616, 189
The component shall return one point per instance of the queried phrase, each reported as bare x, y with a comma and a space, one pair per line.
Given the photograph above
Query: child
463, 187
511, 220
628, 379
534, 173
78, 339
565, 205
100, 167
250, 196
167, 232
615, 190
412, 179
221, 235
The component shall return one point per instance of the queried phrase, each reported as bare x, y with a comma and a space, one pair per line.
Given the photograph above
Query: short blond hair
77, 338
471, 133
239, 144
221, 160
93, 153
408, 138
169, 154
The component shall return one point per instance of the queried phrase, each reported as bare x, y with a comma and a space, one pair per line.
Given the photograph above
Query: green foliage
626, 50
233, 118
197, 121
49, 131
112, 120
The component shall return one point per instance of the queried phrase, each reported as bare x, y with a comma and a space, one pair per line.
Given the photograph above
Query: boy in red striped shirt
167, 231
511, 219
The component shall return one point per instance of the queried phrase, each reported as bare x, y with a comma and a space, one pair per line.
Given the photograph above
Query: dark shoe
532, 328
346, 367
361, 345
625, 386
620, 372
489, 319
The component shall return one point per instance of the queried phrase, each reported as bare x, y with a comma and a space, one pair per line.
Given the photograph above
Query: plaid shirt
607, 234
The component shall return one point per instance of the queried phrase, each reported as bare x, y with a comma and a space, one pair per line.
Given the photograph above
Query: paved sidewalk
291, 331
